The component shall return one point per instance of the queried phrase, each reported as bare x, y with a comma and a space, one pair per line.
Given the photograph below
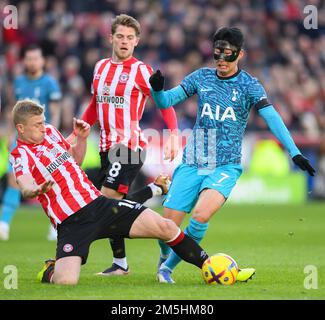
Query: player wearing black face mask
224, 50
226, 95
227, 44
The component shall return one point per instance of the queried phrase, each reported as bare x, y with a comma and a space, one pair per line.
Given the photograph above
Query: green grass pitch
279, 241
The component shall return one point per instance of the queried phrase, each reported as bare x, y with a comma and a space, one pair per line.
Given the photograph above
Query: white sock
121, 262
156, 191
5, 226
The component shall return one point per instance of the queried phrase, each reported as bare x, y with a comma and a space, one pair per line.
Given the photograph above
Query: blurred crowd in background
176, 37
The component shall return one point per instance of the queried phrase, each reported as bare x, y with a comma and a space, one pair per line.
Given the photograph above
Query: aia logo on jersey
218, 114
124, 77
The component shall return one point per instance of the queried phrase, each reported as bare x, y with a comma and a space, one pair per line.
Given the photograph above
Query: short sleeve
95, 76
92, 83
54, 90
144, 73
20, 162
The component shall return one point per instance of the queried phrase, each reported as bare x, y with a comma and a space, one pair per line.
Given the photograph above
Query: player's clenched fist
81, 128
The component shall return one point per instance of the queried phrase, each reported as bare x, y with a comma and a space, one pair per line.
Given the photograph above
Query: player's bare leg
150, 224
64, 271
175, 215
67, 270
209, 202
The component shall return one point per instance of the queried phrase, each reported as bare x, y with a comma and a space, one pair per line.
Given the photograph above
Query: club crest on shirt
124, 77
67, 247
234, 95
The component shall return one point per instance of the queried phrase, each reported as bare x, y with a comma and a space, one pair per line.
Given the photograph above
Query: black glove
303, 164
157, 81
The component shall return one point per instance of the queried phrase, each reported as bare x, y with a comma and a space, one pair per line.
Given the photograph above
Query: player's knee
167, 229
199, 216
66, 280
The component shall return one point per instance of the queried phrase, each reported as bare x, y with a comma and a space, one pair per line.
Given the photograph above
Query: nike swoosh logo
202, 90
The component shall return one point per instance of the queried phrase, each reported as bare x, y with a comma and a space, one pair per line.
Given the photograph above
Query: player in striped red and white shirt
51, 160
47, 166
120, 91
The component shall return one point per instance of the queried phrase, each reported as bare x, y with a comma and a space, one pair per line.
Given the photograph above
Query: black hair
233, 35
32, 47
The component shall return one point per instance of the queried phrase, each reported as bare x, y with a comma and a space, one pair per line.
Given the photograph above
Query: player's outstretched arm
165, 99
81, 130
30, 189
279, 129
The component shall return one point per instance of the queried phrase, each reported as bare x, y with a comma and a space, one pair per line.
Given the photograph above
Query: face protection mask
222, 45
